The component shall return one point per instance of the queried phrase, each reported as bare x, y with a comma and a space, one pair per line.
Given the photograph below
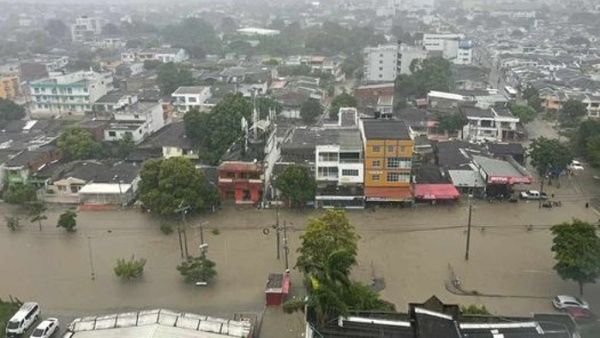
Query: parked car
46, 328
27, 315
580, 315
575, 166
533, 195
563, 301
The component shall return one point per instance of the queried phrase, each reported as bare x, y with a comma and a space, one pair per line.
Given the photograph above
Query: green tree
549, 155
19, 194
12, 222
130, 269
36, 211
297, 184
587, 129
310, 110
152, 64
573, 109
171, 76
532, 96
125, 145
57, 29
593, 150
325, 236
576, 248
525, 114
67, 220
193, 34
78, 144
451, 123
341, 101
326, 256
197, 269
426, 75
167, 185
214, 132
10, 111
474, 310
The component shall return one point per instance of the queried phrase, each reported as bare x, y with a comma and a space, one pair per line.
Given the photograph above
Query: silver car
563, 301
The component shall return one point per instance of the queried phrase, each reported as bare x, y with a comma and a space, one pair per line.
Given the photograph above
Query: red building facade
241, 182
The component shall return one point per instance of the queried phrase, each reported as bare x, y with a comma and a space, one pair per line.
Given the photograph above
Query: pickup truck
533, 195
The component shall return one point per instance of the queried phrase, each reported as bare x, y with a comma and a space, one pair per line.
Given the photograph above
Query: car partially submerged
533, 195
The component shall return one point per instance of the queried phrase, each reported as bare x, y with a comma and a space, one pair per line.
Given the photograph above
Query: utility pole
277, 228
285, 245
541, 191
469, 231
180, 240
184, 247
92, 271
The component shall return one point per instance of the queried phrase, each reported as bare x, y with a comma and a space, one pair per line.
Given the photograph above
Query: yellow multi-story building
9, 87
387, 160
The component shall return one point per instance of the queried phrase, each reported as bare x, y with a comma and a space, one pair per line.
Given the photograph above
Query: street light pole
277, 228
469, 231
285, 245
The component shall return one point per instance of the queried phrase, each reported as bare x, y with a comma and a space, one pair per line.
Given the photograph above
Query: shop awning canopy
436, 192
388, 194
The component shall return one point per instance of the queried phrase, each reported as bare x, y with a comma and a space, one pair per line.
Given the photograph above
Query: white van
27, 315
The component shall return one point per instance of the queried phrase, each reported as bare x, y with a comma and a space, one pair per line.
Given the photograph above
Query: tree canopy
427, 74
197, 269
78, 144
573, 109
297, 185
19, 194
576, 248
532, 96
195, 35
215, 131
169, 184
310, 110
67, 220
57, 29
10, 111
525, 114
326, 256
171, 76
585, 139
549, 156
340, 101
451, 123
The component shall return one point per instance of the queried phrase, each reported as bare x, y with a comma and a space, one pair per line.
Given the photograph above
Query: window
136, 116
398, 177
112, 134
390, 149
375, 177
399, 162
70, 90
402, 149
192, 99
376, 149
376, 163
380, 68
393, 162
349, 172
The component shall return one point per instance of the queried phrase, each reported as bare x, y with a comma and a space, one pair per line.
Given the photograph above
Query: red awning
388, 194
436, 192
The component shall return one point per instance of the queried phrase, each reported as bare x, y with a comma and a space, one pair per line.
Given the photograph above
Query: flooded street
412, 250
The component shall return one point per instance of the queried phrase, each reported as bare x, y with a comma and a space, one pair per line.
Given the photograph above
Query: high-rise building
86, 28
452, 47
380, 63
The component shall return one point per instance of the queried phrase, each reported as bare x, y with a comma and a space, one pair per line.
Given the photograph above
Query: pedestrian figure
587, 205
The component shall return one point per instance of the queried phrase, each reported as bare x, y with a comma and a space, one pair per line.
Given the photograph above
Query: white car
46, 328
533, 195
575, 166
563, 301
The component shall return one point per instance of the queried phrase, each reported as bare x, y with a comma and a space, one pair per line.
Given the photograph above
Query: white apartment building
86, 28
407, 54
339, 169
453, 47
187, 98
381, 63
139, 120
164, 55
69, 94
495, 125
